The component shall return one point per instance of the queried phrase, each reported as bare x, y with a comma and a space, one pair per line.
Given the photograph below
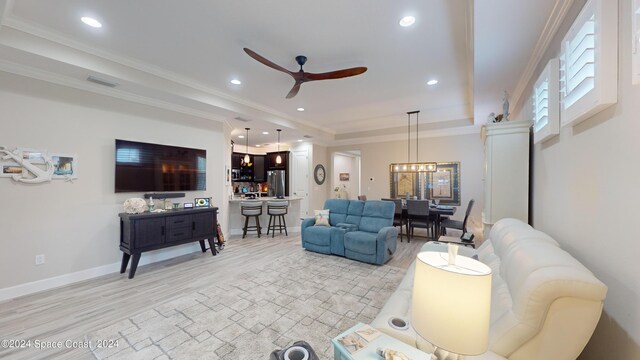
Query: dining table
438, 211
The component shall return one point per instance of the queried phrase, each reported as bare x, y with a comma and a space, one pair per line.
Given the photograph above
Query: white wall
468, 149
319, 193
76, 224
586, 195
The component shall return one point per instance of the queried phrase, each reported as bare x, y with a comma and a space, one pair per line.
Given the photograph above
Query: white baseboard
66, 279
291, 229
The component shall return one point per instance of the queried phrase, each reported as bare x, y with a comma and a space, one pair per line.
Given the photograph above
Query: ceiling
182, 55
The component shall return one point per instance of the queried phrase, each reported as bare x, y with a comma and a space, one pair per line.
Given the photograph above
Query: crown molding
54, 78
402, 130
445, 132
559, 12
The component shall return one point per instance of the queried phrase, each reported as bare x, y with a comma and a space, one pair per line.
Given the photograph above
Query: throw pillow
322, 217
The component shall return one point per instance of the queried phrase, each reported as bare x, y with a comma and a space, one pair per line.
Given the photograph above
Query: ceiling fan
302, 76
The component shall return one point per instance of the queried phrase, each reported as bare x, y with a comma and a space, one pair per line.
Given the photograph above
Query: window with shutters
545, 103
589, 62
635, 38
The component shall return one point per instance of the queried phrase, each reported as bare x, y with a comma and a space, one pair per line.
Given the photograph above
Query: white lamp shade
247, 159
278, 159
451, 303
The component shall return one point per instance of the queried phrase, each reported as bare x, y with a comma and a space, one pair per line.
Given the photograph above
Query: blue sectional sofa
360, 230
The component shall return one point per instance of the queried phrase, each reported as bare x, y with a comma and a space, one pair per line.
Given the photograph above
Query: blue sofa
360, 230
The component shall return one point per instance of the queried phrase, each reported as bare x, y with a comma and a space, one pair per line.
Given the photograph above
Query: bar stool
277, 208
251, 208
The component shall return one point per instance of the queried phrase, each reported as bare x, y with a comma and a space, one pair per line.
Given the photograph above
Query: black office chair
399, 218
418, 215
456, 224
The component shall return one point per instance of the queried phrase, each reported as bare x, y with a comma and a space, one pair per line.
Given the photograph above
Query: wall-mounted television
144, 167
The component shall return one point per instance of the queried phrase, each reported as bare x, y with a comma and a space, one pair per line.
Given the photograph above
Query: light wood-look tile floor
72, 311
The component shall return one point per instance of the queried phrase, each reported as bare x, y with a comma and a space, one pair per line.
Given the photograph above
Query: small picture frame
187, 205
34, 156
344, 176
10, 169
64, 166
202, 202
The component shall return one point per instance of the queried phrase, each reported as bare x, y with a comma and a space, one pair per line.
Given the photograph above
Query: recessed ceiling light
236, 82
299, 140
407, 21
91, 22
265, 133
300, 109
258, 145
432, 82
241, 136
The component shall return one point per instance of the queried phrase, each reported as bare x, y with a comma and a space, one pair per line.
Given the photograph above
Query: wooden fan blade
294, 90
335, 74
265, 61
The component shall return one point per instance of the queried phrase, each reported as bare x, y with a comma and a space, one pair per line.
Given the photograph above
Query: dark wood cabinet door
204, 225
235, 161
148, 232
259, 169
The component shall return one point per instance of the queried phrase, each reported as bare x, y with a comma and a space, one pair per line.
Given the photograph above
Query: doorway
300, 179
346, 173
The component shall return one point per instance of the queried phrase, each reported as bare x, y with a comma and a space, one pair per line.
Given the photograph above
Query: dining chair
418, 215
457, 224
399, 217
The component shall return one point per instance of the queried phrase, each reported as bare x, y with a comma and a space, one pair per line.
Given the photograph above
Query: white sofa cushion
536, 274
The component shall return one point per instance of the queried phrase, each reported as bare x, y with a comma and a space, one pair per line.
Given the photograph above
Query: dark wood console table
153, 231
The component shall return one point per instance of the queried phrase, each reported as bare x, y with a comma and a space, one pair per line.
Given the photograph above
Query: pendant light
425, 166
247, 159
409, 134
278, 158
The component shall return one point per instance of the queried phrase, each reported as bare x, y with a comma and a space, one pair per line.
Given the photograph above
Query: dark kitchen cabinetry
152, 231
235, 160
273, 165
256, 172
259, 169
241, 171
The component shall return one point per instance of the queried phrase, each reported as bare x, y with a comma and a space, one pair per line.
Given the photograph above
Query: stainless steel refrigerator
276, 183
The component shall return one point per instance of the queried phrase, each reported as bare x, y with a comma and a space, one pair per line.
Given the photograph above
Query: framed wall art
64, 166
444, 184
10, 169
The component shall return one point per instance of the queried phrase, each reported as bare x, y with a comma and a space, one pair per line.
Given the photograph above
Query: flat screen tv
144, 167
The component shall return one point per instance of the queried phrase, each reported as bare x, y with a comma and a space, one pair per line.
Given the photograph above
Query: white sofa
544, 303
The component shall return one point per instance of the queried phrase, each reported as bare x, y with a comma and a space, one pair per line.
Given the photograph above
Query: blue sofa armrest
386, 243
307, 222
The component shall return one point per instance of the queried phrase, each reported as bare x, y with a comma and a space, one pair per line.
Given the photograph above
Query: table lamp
451, 302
